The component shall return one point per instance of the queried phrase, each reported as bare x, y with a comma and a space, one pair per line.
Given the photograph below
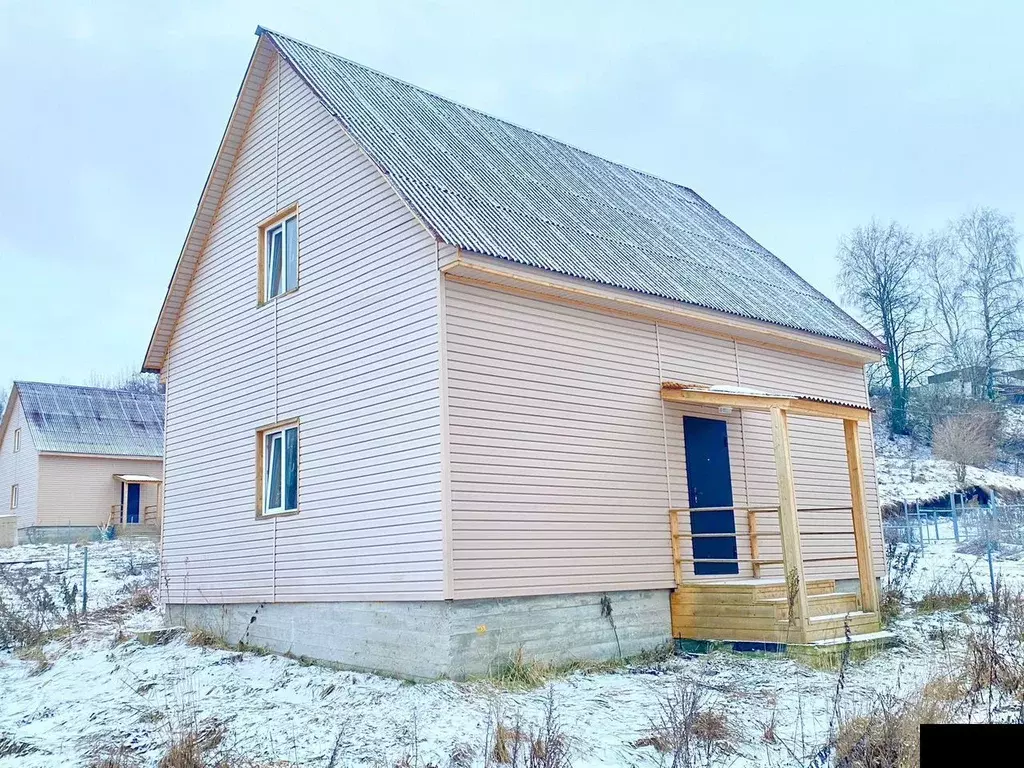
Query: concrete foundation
452, 638
8, 531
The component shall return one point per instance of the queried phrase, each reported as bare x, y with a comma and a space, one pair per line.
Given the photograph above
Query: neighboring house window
14, 497
17, 439
279, 254
277, 452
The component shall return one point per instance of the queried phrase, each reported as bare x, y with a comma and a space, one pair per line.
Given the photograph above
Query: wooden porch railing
755, 534
148, 515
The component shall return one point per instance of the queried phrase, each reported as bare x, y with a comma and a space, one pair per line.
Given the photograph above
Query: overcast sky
796, 121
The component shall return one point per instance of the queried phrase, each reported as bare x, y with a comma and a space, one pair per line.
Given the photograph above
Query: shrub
967, 440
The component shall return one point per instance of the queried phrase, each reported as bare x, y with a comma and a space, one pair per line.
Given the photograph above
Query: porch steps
758, 611
137, 531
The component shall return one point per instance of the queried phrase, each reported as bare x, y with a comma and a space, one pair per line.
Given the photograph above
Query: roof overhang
492, 272
727, 396
137, 479
206, 210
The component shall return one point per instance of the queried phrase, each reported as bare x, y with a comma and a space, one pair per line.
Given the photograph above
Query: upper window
278, 449
14, 497
279, 254
17, 439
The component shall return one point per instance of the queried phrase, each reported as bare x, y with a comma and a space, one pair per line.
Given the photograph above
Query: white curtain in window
275, 255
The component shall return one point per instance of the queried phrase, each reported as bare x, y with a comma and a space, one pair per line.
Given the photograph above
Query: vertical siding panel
80, 490
21, 469
353, 354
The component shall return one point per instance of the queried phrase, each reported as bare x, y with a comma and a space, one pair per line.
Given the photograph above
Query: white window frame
17, 439
265, 458
14, 496
289, 279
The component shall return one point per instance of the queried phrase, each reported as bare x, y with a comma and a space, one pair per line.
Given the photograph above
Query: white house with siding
74, 460
440, 388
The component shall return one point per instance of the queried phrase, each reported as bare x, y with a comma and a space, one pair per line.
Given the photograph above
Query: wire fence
977, 529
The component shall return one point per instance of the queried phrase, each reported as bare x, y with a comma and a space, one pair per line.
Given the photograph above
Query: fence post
991, 569
956, 523
906, 525
935, 519
85, 579
920, 528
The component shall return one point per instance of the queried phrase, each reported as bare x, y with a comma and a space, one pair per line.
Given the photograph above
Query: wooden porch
786, 607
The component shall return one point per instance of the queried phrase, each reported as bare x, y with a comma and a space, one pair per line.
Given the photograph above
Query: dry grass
204, 639
510, 743
888, 735
688, 728
942, 595
520, 673
36, 656
142, 599
901, 561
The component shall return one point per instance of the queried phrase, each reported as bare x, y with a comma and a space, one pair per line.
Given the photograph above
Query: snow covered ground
101, 689
908, 472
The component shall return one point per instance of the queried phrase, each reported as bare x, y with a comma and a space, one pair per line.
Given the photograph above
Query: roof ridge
261, 30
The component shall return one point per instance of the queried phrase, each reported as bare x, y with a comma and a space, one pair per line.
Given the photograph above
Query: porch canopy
781, 405
137, 479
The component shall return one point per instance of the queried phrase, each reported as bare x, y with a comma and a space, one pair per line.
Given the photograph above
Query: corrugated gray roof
108, 422
494, 188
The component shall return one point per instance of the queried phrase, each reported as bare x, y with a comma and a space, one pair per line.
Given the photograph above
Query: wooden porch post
789, 524
861, 529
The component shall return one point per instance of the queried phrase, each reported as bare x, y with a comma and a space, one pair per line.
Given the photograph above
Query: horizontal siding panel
19, 468
564, 461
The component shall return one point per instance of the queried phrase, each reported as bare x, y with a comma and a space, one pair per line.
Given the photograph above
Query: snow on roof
732, 389
108, 422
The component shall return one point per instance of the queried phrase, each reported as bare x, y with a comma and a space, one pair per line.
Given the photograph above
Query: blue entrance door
131, 512
709, 483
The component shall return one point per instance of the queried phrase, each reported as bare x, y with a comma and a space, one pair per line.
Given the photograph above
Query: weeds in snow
888, 734
941, 595
520, 673
33, 603
687, 728
902, 562
546, 745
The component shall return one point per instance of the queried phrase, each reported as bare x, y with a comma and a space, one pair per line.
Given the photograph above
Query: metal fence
977, 529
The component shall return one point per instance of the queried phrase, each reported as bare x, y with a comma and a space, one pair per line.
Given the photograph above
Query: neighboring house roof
494, 188
90, 420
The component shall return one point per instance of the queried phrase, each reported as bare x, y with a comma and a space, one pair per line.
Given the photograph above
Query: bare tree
984, 243
4, 394
947, 285
968, 440
880, 277
129, 381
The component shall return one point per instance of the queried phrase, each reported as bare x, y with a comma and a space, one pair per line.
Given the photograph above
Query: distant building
971, 382
76, 459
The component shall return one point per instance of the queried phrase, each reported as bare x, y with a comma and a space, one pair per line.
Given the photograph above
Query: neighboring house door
131, 510
709, 481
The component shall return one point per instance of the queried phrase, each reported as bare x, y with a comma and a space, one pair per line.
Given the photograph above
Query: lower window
278, 453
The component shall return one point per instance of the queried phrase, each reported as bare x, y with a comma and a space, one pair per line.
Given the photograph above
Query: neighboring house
435, 382
75, 459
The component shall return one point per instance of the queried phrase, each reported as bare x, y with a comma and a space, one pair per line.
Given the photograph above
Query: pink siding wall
21, 468
353, 354
80, 490
564, 461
